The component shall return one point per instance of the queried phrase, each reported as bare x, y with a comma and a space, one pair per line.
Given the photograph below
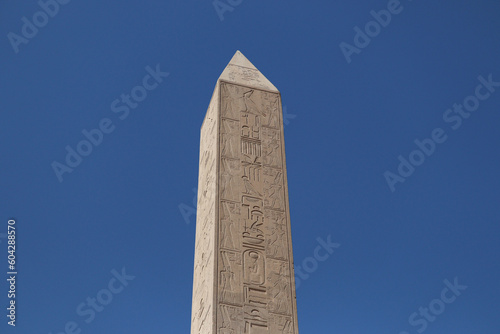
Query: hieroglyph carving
278, 235
281, 324
273, 189
230, 278
229, 320
230, 139
254, 269
230, 179
279, 290
271, 142
230, 226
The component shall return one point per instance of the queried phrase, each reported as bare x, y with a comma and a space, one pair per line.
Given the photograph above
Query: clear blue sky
119, 207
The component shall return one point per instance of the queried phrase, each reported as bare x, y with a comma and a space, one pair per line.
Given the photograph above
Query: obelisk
243, 271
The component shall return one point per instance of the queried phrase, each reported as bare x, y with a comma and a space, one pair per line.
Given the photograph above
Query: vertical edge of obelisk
202, 308
287, 204
217, 206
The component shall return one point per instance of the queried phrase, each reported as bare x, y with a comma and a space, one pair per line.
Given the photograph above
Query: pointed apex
242, 72
240, 60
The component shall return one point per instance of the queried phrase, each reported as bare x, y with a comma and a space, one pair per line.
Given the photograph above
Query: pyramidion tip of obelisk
240, 60
241, 71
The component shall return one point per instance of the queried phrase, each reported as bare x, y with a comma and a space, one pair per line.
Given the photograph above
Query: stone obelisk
243, 271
